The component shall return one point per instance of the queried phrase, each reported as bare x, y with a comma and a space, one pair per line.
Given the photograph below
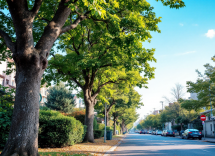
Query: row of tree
185, 111
174, 113
99, 43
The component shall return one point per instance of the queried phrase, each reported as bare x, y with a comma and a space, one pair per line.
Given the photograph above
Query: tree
60, 98
177, 93
29, 31
205, 89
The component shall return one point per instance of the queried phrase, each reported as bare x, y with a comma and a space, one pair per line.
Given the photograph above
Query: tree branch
8, 41
36, 7
99, 88
75, 23
78, 83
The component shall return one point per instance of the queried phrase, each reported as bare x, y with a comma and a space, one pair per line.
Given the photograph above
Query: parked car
153, 132
191, 133
168, 133
142, 132
158, 132
150, 132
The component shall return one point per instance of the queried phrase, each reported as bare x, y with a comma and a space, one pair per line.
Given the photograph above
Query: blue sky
181, 48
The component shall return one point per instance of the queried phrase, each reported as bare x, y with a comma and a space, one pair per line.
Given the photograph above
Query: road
152, 145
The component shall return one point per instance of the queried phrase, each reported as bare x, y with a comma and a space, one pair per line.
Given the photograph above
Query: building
156, 112
78, 102
9, 80
209, 124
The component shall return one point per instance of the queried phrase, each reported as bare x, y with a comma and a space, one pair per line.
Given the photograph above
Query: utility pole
162, 112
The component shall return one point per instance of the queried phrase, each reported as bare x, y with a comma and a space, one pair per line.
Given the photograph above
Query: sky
186, 43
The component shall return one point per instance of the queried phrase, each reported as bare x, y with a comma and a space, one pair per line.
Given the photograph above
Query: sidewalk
98, 148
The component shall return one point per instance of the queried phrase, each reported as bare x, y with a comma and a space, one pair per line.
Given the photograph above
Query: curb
114, 147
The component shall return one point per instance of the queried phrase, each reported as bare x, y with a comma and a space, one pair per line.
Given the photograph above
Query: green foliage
78, 115
101, 126
118, 128
44, 108
95, 124
98, 133
6, 111
60, 98
109, 128
205, 87
57, 130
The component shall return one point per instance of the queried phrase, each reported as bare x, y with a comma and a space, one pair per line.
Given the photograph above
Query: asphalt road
152, 145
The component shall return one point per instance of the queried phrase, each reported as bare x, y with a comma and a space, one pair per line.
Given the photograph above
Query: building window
12, 83
7, 82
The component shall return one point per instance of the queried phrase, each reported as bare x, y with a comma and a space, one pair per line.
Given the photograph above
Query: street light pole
162, 112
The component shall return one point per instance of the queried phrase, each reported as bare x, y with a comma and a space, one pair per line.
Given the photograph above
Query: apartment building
9, 80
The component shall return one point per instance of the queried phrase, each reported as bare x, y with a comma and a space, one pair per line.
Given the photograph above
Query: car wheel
182, 137
200, 138
187, 138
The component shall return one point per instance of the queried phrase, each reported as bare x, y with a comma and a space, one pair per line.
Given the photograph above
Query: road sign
203, 117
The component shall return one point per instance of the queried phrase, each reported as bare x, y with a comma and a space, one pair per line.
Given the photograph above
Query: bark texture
89, 117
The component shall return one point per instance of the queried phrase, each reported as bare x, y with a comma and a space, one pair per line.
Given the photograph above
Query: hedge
101, 126
57, 130
98, 133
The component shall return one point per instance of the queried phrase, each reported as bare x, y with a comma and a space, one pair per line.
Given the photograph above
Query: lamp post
162, 112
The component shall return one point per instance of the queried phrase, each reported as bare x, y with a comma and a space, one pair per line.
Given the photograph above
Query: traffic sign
203, 117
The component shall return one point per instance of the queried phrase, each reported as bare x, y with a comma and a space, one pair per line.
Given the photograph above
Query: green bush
57, 130
109, 128
95, 125
6, 111
101, 126
98, 133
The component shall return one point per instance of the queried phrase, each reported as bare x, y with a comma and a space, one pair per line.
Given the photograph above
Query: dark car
191, 133
169, 133
142, 132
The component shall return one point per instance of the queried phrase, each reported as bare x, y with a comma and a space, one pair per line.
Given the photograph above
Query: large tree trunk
23, 136
89, 117
114, 126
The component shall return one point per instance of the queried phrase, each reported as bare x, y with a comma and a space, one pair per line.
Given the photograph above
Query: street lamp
162, 112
